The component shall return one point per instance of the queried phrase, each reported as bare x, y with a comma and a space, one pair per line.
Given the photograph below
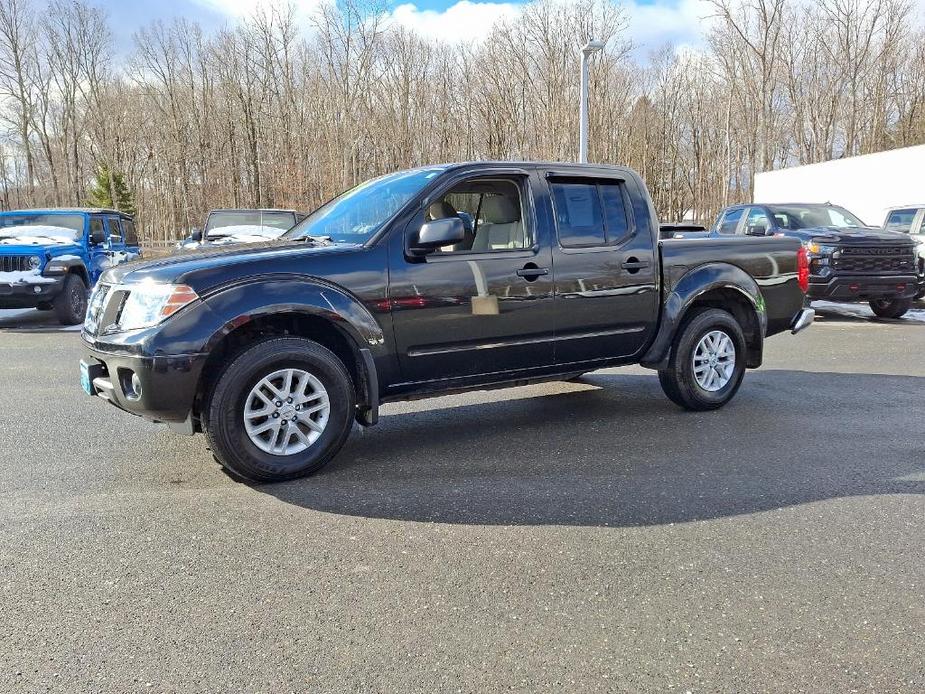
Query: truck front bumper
159, 388
863, 287
29, 294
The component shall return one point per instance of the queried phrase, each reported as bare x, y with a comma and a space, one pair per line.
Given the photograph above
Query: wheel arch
69, 266
716, 285
321, 312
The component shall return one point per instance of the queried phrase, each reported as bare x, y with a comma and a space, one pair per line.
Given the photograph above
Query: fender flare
238, 303
693, 285
246, 300
63, 265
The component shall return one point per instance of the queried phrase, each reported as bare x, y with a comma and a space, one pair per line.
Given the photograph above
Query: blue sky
653, 22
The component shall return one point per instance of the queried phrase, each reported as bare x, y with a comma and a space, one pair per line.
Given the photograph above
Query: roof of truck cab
539, 164
68, 210
250, 209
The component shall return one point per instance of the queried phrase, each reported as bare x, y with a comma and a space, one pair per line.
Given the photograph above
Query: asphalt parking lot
569, 536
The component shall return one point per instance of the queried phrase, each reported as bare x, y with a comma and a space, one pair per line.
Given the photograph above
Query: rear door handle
635, 265
531, 271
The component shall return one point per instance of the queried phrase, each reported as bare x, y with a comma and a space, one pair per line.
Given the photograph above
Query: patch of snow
25, 277
914, 315
67, 257
37, 235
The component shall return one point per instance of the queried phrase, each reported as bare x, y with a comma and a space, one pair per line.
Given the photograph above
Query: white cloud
680, 23
651, 25
460, 23
240, 9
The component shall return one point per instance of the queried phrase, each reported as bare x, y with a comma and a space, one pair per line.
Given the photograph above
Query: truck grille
875, 260
14, 263
95, 307
104, 308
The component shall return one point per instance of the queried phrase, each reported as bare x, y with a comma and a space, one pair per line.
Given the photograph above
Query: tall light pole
592, 46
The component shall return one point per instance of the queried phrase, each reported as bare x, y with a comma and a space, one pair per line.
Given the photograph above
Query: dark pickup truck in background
848, 260
432, 280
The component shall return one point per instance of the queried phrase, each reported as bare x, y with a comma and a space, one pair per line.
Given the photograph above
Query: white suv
910, 219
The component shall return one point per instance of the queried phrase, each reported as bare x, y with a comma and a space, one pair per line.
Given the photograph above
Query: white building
867, 185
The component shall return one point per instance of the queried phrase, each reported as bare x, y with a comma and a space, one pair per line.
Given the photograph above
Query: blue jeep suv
50, 258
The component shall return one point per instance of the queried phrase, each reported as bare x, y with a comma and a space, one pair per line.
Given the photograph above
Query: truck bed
771, 261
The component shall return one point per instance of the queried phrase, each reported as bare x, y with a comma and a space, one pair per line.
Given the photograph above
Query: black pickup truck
437, 279
848, 261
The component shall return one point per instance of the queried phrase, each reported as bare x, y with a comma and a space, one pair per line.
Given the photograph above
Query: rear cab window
590, 212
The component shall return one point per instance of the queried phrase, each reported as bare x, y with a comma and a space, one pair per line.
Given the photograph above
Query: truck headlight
35, 262
149, 304
817, 248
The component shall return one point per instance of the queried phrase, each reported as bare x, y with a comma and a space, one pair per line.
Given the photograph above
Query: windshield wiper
319, 240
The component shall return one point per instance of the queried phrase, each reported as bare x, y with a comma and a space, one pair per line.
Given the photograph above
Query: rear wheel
707, 361
890, 308
282, 409
71, 304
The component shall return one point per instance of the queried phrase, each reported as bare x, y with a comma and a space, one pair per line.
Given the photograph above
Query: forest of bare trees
276, 113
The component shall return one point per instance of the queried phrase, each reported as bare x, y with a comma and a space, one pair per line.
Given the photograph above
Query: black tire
223, 415
71, 304
678, 380
890, 308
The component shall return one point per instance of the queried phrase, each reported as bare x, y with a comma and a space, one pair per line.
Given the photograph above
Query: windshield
809, 216
355, 216
249, 223
41, 228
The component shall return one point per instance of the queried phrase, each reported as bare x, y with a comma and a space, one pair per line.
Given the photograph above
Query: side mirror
97, 238
439, 233
196, 234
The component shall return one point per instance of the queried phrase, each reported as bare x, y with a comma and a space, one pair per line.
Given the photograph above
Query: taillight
803, 269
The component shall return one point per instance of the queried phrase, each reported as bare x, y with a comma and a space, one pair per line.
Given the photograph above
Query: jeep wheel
707, 361
282, 409
890, 308
71, 304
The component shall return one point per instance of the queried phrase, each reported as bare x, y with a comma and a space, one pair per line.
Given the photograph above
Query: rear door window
590, 212
579, 216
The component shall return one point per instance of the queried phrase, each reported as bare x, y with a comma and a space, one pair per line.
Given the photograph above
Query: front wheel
707, 361
282, 409
890, 308
71, 304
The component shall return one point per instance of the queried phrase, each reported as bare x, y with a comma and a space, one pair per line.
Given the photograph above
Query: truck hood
854, 235
28, 247
206, 267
